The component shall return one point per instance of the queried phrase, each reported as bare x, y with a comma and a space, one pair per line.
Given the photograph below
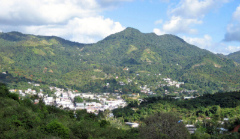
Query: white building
85, 95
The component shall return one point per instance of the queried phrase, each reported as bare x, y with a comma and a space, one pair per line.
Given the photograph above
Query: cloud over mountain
187, 14
74, 20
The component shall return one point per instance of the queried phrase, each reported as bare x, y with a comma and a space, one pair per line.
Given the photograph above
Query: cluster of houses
101, 103
188, 91
28, 91
171, 83
65, 99
146, 90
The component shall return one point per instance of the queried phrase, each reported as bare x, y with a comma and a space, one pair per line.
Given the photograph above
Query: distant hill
38, 58
235, 56
88, 67
166, 54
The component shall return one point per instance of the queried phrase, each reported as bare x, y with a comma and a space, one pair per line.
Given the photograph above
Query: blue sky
209, 24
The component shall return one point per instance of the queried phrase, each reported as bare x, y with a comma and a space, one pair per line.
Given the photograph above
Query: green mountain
235, 56
37, 58
166, 54
88, 67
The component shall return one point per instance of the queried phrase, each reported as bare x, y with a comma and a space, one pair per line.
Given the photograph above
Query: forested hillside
168, 55
235, 56
118, 57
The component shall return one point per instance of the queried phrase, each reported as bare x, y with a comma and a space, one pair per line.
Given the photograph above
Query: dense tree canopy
164, 126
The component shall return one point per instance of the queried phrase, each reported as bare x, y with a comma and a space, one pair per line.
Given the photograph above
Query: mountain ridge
55, 60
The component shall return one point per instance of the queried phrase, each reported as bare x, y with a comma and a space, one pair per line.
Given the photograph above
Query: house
222, 130
40, 95
180, 82
58, 94
189, 97
65, 104
178, 85
64, 95
167, 79
36, 84
208, 118
21, 93
133, 125
106, 94
34, 92
129, 80
12, 90
36, 101
51, 88
110, 115
58, 100
80, 105
143, 91
86, 95
48, 100
121, 83
28, 91
225, 119
191, 128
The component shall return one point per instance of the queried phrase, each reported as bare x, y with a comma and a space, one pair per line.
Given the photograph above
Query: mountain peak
13, 36
130, 29
130, 32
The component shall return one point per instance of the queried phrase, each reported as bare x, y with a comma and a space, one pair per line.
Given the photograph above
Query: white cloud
35, 12
84, 30
236, 14
233, 28
196, 8
158, 31
205, 42
233, 32
189, 13
231, 49
76, 20
180, 25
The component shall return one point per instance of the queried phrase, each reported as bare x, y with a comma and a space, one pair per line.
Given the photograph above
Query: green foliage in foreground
163, 126
20, 118
206, 112
23, 119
